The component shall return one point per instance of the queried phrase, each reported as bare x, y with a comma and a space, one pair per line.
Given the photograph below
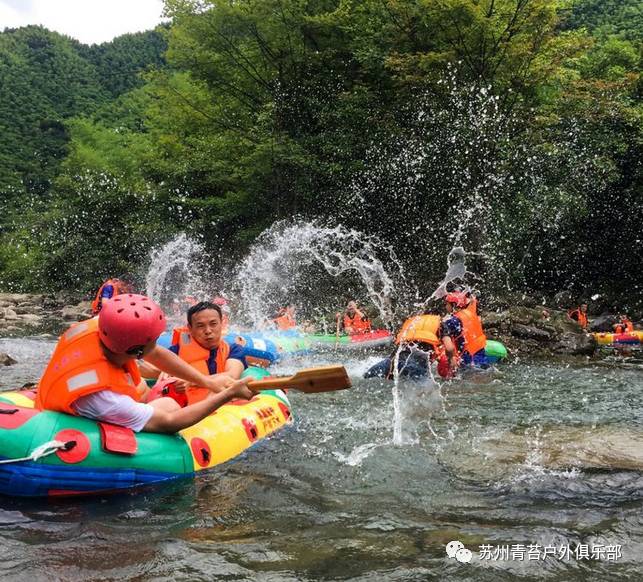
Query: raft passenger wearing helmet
93, 371
461, 333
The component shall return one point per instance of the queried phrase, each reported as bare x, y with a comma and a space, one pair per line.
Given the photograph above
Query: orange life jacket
581, 318
624, 326
191, 352
474, 337
359, 322
285, 321
118, 289
421, 328
79, 367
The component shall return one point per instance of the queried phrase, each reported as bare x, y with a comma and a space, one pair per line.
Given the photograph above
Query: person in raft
624, 325
417, 344
461, 333
110, 288
93, 371
285, 318
579, 315
354, 321
200, 345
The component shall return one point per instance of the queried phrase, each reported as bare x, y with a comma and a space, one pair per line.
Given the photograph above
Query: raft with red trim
357, 341
631, 339
81, 456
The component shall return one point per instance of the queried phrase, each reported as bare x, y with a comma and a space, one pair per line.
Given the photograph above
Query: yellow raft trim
233, 428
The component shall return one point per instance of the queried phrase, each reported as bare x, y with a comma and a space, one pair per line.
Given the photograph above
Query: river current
536, 468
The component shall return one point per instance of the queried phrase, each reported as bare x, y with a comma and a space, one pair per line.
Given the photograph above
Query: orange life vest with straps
581, 318
421, 328
192, 353
79, 367
359, 322
118, 289
624, 326
474, 337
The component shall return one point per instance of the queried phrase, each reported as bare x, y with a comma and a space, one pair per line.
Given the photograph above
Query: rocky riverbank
524, 330
537, 331
29, 314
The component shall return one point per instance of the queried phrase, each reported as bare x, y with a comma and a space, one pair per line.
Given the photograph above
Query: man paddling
200, 345
93, 371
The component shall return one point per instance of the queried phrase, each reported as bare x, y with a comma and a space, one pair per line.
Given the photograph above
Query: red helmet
221, 301
129, 321
457, 297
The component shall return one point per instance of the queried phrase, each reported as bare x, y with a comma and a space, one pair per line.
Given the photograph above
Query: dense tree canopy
510, 126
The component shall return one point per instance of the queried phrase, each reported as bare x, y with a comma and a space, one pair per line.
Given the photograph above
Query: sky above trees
89, 21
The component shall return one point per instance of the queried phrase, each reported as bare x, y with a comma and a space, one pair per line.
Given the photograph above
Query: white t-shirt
109, 406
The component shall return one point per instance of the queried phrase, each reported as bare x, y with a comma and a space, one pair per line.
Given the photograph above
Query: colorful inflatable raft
261, 348
631, 339
413, 366
45, 453
358, 341
270, 346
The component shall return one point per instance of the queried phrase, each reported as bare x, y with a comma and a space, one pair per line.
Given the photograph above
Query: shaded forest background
512, 127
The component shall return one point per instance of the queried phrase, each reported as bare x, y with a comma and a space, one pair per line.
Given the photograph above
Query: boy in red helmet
93, 371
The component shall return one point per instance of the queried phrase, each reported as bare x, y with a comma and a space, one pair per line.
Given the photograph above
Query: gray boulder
530, 332
577, 344
6, 360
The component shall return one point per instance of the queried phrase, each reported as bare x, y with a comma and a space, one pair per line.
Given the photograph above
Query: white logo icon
456, 549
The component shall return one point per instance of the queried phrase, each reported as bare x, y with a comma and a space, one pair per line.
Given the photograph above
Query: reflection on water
547, 453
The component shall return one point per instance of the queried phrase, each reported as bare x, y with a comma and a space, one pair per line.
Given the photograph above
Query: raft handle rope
8, 410
43, 451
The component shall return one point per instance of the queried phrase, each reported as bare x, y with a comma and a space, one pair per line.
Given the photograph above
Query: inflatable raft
414, 366
358, 341
629, 339
45, 453
261, 348
270, 346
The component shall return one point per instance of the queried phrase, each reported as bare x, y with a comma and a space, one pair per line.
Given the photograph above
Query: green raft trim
173, 449
495, 349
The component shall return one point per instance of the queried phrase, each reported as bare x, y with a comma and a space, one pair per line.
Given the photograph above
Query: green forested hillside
47, 79
119, 63
509, 126
622, 18
44, 82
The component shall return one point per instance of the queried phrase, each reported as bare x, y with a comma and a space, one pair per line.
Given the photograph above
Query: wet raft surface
539, 453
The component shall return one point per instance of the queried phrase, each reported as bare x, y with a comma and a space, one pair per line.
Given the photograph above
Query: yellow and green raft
44, 453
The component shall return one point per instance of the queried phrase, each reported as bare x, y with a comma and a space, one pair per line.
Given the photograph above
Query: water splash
175, 272
456, 271
290, 263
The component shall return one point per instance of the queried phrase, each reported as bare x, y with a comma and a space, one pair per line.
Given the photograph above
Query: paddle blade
310, 380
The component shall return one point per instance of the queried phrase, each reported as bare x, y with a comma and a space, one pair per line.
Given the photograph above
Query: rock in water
6, 360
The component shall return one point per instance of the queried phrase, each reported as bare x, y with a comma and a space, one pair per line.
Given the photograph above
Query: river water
542, 458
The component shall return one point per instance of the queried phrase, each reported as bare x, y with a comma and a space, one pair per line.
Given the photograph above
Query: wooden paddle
310, 380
